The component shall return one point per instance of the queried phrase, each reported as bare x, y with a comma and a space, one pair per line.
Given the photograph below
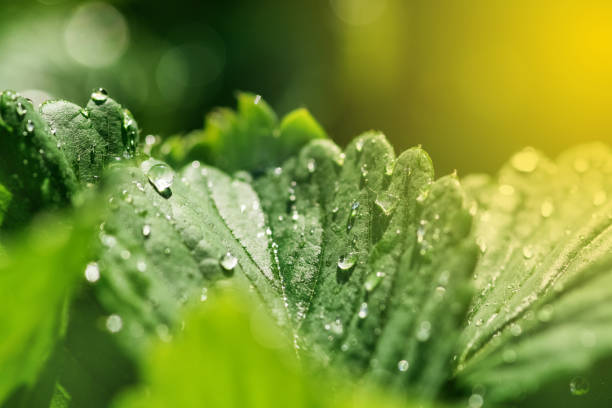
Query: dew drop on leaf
161, 177
311, 165
347, 262
228, 262
363, 310
403, 365
30, 126
21, 111
99, 96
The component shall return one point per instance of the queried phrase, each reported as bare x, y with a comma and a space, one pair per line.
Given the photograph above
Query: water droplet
475, 401
161, 177
335, 327
92, 272
21, 111
359, 145
525, 161
204, 295
311, 165
373, 280
389, 167
30, 127
99, 96
527, 252
579, 386
352, 215
114, 323
386, 202
547, 208
347, 262
228, 262
363, 311
424, 331
403, 365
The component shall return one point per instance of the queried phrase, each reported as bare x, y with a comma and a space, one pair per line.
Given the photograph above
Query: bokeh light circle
358, 12
96, 35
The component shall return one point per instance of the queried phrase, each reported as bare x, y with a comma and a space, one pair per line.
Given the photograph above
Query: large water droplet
527, 252
228, 262
579, 386
146, 230
99, 96
161, 177
347, 262
403, 365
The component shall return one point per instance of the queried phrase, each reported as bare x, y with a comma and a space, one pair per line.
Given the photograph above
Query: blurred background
472, 81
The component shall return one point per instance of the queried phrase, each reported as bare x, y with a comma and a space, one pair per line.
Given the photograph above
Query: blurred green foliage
473, 81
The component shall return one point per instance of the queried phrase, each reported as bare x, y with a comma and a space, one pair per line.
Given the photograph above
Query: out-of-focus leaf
37, 272
230, 355
545, 284
249, 139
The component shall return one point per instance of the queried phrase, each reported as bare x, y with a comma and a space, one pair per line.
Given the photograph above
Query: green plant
379, 276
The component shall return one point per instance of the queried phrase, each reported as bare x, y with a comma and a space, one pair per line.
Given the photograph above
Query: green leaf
230, 355
91, 138
32, 168
361, 257
250, 139
543, 308
47, 153
37, 273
